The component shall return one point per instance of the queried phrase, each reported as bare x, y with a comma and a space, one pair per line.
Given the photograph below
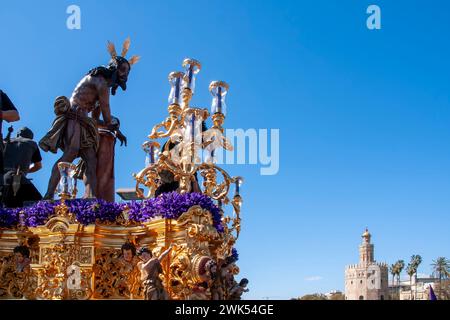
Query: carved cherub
237, 291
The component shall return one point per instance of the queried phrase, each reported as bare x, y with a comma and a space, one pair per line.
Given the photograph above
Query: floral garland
89, 211
168, 205
171, 205
9, 217
36, 214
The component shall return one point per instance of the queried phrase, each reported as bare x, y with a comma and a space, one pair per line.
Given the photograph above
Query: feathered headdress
125, 47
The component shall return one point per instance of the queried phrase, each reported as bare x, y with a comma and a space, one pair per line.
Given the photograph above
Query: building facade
367, 280
414, 289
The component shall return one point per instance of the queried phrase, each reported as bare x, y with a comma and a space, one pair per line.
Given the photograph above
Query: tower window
360, 281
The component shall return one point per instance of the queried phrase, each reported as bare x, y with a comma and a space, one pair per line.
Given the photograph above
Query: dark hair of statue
143, 250
129, 246
110, 71
23, 250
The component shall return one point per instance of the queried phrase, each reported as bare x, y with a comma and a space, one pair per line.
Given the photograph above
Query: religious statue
199, 292
105, 156
74, 131
15, 271
238, 289
22, 258
167, 181
215, 283
151, 270
125, 265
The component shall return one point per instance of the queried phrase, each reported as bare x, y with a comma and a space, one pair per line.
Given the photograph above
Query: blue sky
363, 115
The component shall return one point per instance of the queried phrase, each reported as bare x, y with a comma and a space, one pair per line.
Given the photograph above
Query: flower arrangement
168, 205
8, 217
234, 254
89, 211
171, 205
36, 214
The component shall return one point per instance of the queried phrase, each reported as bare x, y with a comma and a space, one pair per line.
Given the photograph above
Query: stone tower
367, 280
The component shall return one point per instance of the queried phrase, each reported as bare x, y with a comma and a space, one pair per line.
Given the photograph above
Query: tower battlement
368, 279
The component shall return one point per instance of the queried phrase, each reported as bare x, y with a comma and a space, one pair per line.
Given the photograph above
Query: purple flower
89, 211
234, 254
171, 205
37, 214
9, 218
168, 205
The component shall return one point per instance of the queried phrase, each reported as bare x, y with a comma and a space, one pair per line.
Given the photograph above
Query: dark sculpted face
127, 255
19, 257
120, 77
145, 256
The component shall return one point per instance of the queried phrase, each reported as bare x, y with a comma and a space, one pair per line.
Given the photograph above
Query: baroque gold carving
14, 284
114, 277
54, 274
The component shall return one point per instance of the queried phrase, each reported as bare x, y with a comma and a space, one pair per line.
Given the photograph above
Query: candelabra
179, 158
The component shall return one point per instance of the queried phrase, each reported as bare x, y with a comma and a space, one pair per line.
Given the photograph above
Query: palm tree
417, 260
400, 266
441, 269
393, 271
411, 270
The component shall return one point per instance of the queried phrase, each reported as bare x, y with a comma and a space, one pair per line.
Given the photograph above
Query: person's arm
96, 115
104, 103
10, 115
164, 254
35, 167
8, 111
36, 161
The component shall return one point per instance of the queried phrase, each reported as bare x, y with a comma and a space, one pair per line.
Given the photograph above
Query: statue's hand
121, 138
113, 127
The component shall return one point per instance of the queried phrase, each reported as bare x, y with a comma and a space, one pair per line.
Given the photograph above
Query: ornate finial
366, 235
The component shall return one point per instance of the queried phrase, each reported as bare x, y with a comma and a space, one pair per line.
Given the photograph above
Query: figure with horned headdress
74, 131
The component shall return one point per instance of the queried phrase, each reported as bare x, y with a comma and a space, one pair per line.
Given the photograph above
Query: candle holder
67, 187
219, 90
152, 150
175, 80
238, 181
192, 67
181, 155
